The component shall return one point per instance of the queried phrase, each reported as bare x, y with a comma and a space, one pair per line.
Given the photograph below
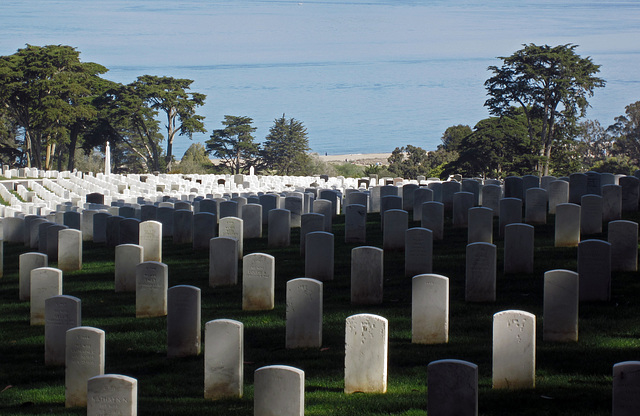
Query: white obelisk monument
107, 160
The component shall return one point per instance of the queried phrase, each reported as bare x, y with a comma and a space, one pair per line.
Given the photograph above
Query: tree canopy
46, 92
549, 83
170, 96
234, 144
285, 150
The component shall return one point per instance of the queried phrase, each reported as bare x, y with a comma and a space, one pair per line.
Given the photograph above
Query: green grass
572, 378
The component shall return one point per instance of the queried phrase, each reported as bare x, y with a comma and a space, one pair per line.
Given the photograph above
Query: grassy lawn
572, 378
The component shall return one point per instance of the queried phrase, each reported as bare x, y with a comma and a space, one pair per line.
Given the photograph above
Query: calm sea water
363, 76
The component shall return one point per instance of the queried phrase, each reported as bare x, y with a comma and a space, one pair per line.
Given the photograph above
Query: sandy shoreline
365, 159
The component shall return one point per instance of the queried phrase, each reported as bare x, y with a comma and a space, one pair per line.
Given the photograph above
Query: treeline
497, 147
537, 98
57, 112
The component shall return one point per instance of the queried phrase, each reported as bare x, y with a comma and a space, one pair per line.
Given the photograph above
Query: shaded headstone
26, 263
510, 212
304, 313
165, 217
408, 192
52, 240
258, 282
205, 226
594, 268
324, 207
535, 211
152, 281
420, 196
558, 194
223, 359
518, 248
623, 237
112, 394
319, 257
480, 225
45, 283
113, 230
72, 219
626, 388
433, 218
611, 203
513, 187
84, 359
429, 309
278, 390
567, 227
355, 224
367, 348
395, 226
150, 239
480, 283
268, 202
472, 186
252, 220
491, 196
452, 388
448, 190
630, 190
127, 258
279, 231
418, 251
591, 214
367, 273
183, 226
294, 205
514, 350
387, 203
148, 213
87, 224
223, 261
129, 231
309, 223
183, 321
560, 306
62, 312
577, 187
69, 250
462, 202
100, 227
232, 227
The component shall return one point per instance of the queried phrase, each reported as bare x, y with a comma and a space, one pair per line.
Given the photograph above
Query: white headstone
183, 321
84, 359
452, 388
152, 281
223, 261
223, 359
560, 306
304, 313
112, 394
258, 282
367, 273
151, 240
127, 258
45, 283
480, 283
278, 390
28, 262
367, 350
430, 309
514, 350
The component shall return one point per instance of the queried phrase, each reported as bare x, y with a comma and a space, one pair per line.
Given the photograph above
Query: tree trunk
73, 140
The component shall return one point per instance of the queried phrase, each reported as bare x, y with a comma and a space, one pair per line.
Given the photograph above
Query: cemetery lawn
571, 378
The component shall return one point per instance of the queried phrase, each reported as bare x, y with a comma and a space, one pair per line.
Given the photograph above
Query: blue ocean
363, 76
